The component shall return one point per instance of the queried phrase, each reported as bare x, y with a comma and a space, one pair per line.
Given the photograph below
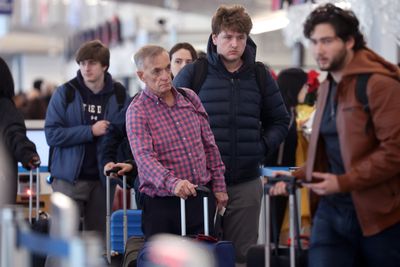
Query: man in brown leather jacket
356, 173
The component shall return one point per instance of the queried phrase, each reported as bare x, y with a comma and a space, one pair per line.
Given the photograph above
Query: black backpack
361, 95
201, 70
71, 87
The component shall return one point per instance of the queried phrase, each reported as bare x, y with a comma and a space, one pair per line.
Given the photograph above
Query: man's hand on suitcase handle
278, 189
33, 163
113, 172
280, 183
117, 169
185, 189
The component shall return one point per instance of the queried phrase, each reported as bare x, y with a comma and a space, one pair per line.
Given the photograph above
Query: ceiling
28, 34
206, 7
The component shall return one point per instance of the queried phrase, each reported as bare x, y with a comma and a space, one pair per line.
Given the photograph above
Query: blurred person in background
299, 92
305, 111
48, 89
201, 54
180, 55
35, 106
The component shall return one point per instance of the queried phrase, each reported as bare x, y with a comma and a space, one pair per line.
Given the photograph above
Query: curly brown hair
344, 22
233, 17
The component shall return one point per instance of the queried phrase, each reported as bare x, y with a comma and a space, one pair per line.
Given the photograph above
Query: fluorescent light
272, 22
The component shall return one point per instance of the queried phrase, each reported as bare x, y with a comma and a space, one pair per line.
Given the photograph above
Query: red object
273, 74
118, 196
304, 239
312, 81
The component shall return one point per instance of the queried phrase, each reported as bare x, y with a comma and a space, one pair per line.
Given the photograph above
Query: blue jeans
337, 240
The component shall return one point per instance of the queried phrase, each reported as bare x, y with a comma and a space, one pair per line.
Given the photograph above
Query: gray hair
147, 51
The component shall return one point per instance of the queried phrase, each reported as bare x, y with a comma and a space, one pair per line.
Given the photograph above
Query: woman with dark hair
180, 55
14, 145
291, 82
299, 92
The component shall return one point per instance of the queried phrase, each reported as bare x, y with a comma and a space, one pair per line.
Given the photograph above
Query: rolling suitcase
40, 222
275, 256
223, 251
122, 224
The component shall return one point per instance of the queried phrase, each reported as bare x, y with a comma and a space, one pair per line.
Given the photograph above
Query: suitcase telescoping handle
109, 174
37, 191
291, 185
205, 191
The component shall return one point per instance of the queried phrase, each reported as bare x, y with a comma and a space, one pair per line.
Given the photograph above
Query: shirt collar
180, 99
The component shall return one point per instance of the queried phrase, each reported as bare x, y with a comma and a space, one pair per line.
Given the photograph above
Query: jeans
337, 240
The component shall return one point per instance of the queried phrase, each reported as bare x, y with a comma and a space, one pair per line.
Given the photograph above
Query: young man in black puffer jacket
248, 122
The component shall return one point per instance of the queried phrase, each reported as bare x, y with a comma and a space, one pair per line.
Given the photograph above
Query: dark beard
337, 62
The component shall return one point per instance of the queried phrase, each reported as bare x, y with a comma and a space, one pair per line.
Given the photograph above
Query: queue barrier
18, 241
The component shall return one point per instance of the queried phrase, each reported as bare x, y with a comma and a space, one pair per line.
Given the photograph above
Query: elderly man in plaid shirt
174, 148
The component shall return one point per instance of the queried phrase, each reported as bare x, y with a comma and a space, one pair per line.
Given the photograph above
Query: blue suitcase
223, 251
134, 225
122, 224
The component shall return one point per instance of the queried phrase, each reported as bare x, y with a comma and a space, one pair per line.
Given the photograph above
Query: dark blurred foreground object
14, 145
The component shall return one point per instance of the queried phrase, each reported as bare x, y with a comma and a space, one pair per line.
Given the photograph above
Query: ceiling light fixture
271, 22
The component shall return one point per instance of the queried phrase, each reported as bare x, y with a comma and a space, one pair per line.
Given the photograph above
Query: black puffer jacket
233, 102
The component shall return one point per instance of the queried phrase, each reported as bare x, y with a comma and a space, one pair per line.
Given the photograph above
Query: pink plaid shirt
173, 143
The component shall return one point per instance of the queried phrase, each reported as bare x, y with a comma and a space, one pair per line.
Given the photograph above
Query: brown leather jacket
372, 161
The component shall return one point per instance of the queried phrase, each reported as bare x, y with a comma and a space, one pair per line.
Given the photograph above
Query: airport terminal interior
38, 41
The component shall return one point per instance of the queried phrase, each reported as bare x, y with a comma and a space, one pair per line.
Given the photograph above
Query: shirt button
194, 170
184, 138
177, 123
189, 154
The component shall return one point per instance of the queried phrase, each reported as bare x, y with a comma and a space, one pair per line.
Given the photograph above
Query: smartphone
313, 181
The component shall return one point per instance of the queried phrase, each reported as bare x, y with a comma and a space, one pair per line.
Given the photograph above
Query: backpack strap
182, 92
120, 94
119, 91
201, 69
71, 87
261, 79
200, 74
361, 95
